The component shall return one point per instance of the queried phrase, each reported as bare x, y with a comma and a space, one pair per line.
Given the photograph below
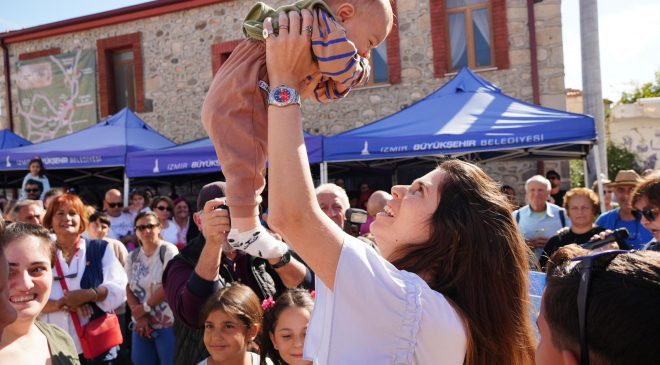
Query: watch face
282, 95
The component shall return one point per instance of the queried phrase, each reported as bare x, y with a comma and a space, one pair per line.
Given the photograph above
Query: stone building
169, 50
637, 127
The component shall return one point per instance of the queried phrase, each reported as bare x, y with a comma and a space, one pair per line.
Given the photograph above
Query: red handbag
99, 335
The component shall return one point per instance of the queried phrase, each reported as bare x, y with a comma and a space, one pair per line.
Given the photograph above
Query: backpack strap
518, 216
562, 218
161, 253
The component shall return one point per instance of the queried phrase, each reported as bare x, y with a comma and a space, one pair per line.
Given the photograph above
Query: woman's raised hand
288, 55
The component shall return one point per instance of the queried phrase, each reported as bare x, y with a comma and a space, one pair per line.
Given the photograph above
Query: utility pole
592, 91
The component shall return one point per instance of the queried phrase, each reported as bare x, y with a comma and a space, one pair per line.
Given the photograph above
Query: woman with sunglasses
153, 332
646, 201
163, 207
94, 280
600, 309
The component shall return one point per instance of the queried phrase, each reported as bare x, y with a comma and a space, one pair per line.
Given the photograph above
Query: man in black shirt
556, 192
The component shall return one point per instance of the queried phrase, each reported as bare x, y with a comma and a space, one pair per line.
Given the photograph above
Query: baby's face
369, 27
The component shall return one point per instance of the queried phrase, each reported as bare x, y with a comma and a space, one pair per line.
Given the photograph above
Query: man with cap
624, 216
208, 263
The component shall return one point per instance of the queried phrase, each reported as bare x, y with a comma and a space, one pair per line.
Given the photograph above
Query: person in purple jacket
207, 264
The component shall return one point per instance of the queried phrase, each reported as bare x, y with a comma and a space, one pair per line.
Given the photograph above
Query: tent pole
126, 189
324, 172
599, 179
585, 164
395, 177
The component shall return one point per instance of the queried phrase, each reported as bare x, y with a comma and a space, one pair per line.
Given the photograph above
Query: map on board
57, 95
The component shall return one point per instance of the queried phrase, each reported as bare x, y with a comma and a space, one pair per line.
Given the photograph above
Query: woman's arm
112, 291
293, 209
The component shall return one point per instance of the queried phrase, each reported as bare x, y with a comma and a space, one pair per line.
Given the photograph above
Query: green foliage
620, 158
647, 90
577, 173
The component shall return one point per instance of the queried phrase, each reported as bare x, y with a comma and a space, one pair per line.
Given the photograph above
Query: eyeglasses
115, 205
587, 264
142, 227
162, 208
31, 190
649, 214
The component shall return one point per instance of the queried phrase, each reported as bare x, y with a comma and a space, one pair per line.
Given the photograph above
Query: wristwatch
286, 258
146, 307
283, 96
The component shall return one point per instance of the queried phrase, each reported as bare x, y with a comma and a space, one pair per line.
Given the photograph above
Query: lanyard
65, 288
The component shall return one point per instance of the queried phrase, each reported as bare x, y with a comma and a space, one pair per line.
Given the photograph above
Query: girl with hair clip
232, 318
285, 326
37, 173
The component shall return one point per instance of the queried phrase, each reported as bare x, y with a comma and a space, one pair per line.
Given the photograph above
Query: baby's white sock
257, 242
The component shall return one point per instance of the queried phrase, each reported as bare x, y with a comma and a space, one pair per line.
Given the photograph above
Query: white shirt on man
121, 226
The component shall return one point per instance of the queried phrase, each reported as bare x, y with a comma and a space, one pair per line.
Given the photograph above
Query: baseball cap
210, 191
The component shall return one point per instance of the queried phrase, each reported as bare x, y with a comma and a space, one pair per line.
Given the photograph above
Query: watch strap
286, 258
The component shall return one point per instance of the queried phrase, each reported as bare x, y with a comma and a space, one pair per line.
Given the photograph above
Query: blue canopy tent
9, 139
102, 146
197, 157
469, 118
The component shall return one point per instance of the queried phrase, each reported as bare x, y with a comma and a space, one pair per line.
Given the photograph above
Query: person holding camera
581, 206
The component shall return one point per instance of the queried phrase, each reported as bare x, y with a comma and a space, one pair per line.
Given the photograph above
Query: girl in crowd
453, 282
37, 173
95, 279
30, 253
284, 327
139, 202
232, 318
153, 334
163, 207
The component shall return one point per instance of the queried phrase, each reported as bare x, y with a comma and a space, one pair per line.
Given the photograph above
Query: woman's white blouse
170, 233
114, 279
378, 314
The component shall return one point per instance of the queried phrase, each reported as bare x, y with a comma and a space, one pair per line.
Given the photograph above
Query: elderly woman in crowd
153, 336
423, 302
182, 220
30, 253
163, 207
95, 280
582, 207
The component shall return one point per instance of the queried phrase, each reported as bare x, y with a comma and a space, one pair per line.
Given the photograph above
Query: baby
234, 113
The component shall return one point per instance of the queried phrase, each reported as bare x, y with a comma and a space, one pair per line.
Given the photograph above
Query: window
379, 66
121, 74
123, 70
220, 52
470, 35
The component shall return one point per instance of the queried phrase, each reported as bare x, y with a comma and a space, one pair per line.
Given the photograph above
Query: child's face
368, 26
226, 337
35, 168
289, 335
97, 230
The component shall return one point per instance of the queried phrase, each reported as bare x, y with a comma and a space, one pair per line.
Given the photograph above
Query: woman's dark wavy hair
476, 257
299, 298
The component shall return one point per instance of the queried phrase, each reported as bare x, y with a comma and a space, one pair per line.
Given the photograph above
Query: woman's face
581, 211
30, 276
7, 311
97, 230
66, 220
407, 217
137, 201
226, 337
147, 229
181, 210
35, 168
163, 210
652, 226
288, 336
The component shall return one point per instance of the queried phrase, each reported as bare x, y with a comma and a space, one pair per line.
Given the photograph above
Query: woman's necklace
68, 253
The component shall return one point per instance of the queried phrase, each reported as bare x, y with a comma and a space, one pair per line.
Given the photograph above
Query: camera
354, 219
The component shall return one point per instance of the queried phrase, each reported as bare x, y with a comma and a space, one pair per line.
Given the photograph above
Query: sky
629, 35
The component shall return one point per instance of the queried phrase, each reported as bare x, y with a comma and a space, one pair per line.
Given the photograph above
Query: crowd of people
436, 272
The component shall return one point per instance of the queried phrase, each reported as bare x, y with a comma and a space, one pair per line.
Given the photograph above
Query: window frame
469, 35
105, 48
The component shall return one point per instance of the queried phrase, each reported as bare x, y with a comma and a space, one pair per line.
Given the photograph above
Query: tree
620, 158
647, 90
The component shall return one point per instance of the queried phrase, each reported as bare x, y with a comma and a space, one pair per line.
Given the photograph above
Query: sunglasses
587, 265
162, 208
115, 205
68, 276
31, 190
649, 214
142, 227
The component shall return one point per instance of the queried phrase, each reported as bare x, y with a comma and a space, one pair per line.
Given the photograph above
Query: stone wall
637, 128
176, 50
